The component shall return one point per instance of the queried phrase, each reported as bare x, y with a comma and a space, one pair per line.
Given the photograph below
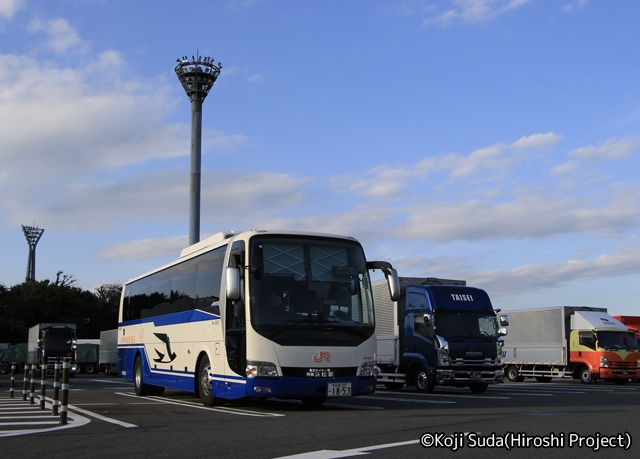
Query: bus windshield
309, 291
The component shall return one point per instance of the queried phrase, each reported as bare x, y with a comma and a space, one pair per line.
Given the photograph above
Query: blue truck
439, 332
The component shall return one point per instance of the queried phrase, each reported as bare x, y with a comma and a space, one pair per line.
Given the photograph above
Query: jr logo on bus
167, 343
322, 355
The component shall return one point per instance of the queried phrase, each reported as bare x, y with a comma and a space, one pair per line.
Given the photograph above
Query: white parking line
227, 410
332, 454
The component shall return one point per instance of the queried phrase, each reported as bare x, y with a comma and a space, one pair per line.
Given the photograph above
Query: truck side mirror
504, 320
502, 331
232, 277
394, 284
427, 320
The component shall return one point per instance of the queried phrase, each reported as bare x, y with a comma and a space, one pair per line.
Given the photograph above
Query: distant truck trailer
580, 342
108, 360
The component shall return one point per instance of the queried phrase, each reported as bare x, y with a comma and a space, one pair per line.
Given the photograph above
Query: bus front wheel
205, 390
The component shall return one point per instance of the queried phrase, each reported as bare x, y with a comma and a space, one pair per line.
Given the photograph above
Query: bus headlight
369, 369
261, 370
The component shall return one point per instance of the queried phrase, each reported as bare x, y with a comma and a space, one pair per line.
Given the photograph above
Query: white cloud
625, 260
616, 148
531, 216
470, 11
147, 248
9, 7
158, 197
495, 160
575, 5
62, 36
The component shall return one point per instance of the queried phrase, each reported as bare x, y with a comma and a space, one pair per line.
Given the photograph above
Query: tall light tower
197, 77
33, 235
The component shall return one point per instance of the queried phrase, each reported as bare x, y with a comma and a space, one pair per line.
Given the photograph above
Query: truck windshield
310, 291
58, 339
453, 325
617, 340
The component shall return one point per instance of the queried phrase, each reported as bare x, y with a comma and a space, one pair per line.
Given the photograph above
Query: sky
495, 141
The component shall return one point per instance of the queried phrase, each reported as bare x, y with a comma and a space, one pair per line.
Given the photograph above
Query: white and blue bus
255, 314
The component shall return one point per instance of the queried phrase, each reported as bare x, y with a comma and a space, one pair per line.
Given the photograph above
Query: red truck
633, 324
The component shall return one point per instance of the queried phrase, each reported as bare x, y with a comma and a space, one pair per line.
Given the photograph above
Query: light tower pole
33, 235
197, 77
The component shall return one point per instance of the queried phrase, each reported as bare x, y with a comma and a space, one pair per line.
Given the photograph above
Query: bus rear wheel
138, 384
205, 391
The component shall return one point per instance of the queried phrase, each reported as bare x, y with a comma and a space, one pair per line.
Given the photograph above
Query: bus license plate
476, 375
339, 389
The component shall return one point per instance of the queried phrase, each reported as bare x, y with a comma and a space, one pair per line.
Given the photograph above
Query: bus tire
423, 383
140, 387
205, 391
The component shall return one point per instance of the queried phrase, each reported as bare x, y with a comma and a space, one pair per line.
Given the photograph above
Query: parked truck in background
633, 324
87, 356
584, 343
108, 358
50, 342
13, 354
440, 332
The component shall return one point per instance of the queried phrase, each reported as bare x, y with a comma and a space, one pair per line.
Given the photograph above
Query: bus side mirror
232, 277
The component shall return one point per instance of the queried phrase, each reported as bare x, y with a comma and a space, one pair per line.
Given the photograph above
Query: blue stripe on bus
194, 315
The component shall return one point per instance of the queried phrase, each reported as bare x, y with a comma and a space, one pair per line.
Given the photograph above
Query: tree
33, 302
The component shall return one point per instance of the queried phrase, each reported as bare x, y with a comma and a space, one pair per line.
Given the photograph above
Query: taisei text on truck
575, 341
440, 332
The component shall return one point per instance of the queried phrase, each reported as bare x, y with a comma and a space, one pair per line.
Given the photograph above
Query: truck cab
447, 334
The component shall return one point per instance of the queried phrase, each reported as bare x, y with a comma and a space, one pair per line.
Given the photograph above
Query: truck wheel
4, 368
585, 375
512, 374
478, 388
205, 391
423, 382
80, 368
89, 368
543, 378
620, 382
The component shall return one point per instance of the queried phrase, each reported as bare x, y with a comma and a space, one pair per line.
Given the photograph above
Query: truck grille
474, 363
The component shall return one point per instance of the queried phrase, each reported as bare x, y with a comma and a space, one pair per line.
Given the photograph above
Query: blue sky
492, 141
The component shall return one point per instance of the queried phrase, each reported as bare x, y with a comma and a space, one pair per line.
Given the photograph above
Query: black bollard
56, 389
43, 385
32, 389
13, 379
64, 392
24, 382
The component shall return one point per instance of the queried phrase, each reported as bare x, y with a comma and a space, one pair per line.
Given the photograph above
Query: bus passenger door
235, 329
